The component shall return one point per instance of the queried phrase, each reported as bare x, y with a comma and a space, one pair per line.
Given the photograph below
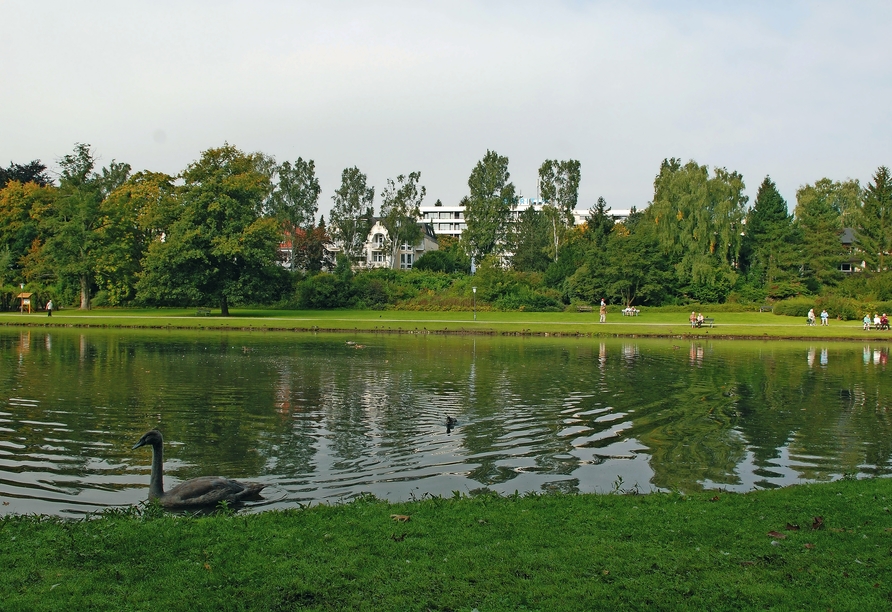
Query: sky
795, 90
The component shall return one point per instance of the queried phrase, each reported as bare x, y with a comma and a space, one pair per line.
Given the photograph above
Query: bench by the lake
631, 312
203, 312
706, 321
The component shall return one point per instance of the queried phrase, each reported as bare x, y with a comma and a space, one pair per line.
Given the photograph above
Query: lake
323, 418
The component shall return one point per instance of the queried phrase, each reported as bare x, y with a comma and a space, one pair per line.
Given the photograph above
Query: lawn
656, 323
810, 547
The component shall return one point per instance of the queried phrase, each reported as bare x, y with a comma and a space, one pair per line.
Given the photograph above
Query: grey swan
204, 491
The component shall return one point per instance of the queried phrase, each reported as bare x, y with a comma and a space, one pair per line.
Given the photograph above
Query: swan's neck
156, 484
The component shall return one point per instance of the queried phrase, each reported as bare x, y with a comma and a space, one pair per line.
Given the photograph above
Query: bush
324, 291
794, 307
436, 261
839, 307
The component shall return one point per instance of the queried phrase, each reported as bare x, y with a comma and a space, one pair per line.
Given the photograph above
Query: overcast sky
794, 90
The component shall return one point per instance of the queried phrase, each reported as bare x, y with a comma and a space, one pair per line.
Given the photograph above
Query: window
378, 256
378, 240
406, 261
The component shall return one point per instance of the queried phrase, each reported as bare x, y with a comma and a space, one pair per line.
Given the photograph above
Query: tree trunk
85, 293
224, 307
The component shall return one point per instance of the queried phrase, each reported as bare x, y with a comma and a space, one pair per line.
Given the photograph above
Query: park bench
707, 321
583, 308
203, 312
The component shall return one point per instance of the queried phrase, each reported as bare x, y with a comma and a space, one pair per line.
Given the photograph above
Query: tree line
212, 234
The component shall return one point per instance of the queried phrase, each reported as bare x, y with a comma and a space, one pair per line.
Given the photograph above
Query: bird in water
450, 423
204, 491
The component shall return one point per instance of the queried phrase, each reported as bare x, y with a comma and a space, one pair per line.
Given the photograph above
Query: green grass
710, 551
656, 323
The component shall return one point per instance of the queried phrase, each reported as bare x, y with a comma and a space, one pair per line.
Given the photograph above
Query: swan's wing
209, 491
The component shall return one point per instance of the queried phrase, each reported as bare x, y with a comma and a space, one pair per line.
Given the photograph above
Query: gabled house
378, 254
853, 263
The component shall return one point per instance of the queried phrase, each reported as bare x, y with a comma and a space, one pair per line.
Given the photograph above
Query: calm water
324, 418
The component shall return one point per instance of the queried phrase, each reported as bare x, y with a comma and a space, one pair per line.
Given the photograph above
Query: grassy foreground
666, 324
809, 547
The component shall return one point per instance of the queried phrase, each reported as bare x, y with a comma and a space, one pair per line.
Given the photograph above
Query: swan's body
199, 492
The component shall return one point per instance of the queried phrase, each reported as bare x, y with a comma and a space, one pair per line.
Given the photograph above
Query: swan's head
152, 437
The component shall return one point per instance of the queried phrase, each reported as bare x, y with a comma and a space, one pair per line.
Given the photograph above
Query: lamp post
474, 289
22, 298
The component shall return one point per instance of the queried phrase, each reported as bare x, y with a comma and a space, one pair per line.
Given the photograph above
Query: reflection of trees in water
298, 405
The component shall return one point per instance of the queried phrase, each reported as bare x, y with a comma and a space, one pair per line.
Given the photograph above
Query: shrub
794, 307
324, 291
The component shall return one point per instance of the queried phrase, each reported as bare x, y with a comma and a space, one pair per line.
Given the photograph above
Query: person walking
49, 308
603, 311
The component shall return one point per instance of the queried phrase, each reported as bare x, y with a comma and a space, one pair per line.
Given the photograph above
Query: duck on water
204, 491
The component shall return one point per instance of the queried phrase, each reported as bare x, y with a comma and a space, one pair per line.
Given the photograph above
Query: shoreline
325, 323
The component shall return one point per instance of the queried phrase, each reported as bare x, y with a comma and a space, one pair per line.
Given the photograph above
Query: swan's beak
142, 442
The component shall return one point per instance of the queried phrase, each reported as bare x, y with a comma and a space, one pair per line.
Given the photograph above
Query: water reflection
324, 418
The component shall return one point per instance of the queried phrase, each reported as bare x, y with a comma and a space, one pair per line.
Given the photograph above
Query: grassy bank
666, 324
810, 547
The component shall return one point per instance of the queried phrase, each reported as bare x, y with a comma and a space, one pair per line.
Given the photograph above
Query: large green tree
770, 243
400, 212
489, 205
530, 241
295, 198
222, 247
18, 225
818, 216
71, 226
875, 223
353, 211
699, 220
136, 213
635, 271
559, 186
33, 172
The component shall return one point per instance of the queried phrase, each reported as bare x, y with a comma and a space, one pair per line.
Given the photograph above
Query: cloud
794, 90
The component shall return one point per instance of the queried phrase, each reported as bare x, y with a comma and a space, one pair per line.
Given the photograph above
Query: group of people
696, 319
825, 317
878, 322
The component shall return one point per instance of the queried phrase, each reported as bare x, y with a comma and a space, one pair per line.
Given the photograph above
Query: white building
450, 220
377, 252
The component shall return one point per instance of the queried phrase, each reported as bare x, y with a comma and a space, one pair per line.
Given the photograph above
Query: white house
377, 252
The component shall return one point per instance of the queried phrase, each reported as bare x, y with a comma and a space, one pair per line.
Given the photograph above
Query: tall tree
33, 172
400, 212
308, 248
770, 242
18, 225
71, 225
136, 213
699, 220
818, 215
636, 272
530, 241
352, 214
295, 198
559, 186
874, 237
599, 223
489, 205
221, 247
